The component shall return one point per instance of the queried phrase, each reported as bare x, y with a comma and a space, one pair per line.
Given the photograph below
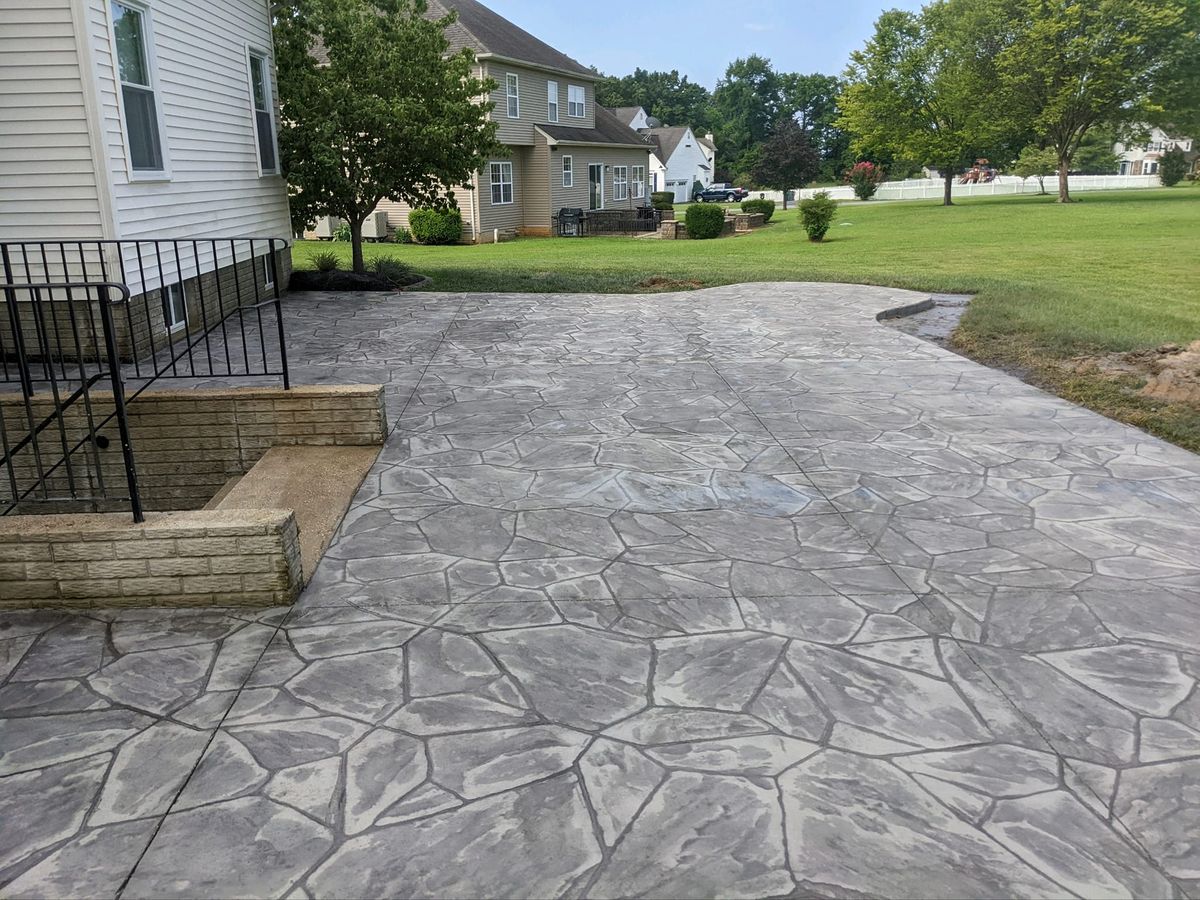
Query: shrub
326, 262
435, 226
342, 233
766, 207
1172, 168
662, 199
817, 214
704, 222
394, 272
864, 178
403, 236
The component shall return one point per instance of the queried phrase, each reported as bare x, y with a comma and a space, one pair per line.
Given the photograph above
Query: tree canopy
668, 96
788, 159
393, 115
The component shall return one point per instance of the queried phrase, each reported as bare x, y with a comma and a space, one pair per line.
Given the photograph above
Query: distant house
125, 120
681, 158
1144, 159
564, 150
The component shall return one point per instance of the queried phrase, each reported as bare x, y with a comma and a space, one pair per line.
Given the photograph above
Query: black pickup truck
722, 193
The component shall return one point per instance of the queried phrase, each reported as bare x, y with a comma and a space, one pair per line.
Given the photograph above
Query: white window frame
552, 101
148, 44
639, 182
499, 167
568, 171
169, 292
268, 281
574, 90
620, 182
253, 53
512, 94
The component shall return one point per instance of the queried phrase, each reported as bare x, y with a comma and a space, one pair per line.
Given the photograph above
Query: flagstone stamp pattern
729, 593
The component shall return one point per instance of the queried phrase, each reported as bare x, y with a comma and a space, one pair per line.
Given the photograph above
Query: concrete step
220, 495
316, 483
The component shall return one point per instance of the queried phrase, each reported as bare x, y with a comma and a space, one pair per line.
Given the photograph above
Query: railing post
283, 360
14, 318
118, 392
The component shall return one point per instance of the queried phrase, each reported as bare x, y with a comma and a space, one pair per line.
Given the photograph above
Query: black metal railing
128, 313
594, 222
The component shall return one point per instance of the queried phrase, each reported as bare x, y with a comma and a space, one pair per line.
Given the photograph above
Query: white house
142, 119
680, 157
1143, 159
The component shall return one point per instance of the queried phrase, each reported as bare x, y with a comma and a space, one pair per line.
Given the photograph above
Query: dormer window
576, 101
513, 95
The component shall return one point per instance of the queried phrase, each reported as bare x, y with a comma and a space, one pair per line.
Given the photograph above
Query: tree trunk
948, 195
1042, 185
785, 199
356, 246
1064, 188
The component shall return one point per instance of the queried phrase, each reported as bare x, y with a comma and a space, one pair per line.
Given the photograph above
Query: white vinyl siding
512, 93
50, 177
568, 171
551, 101
502, 183
576, 101
620, 182
262, 107
139, 99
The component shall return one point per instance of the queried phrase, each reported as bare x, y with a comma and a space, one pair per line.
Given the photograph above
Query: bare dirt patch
662, 283
1171, 372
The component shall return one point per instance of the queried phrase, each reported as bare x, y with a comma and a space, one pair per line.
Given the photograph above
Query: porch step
316, 483
215, 502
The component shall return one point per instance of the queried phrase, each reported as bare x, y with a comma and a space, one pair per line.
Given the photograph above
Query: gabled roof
667, 138
627, 113
488, 34
609, 130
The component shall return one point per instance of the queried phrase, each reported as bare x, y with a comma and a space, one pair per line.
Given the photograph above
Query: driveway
730, 593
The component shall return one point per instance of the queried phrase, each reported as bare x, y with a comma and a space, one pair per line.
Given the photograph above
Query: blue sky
701, 37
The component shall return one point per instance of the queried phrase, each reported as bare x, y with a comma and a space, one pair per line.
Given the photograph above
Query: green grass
1116, 271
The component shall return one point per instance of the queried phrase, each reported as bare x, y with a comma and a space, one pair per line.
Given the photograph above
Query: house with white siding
563, 150
1144, 158
681, 158
129, 120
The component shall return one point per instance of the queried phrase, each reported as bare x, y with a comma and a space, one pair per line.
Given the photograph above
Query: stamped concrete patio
732, 593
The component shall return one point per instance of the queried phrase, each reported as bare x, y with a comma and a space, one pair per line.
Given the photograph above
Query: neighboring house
564, 150
1143, 159
680, 159
129, 120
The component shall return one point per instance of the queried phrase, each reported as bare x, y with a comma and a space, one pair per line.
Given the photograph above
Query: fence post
283, 360
118, 392
14, 318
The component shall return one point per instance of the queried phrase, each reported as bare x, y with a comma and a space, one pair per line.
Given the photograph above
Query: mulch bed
338, 280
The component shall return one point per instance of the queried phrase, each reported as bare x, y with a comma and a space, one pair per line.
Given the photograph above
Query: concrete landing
317, 483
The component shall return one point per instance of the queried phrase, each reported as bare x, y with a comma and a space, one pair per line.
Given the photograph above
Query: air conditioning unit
375, 228
326, 226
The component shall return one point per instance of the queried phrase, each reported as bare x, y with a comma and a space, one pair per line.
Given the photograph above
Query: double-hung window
620, 182
552, 101
512, 92
568, 172
137, 89
575, 101
639, 182
264, 117
502, 183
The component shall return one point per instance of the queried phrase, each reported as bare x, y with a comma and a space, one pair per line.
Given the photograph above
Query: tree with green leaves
923, 88
789, 160
1036, 162
1075, 65
391, 115
1172, 167
812, 100
668, 96
745, 106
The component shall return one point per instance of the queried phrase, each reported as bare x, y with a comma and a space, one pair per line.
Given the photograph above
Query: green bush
435, 226
327, 261
766, 207
342, 233
403, 236
1173, 167
704, 221
817, 214
662, 199
394, 272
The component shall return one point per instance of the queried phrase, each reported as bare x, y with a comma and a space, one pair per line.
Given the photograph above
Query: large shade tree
788, 159
1076, 65
745, 106
668, 96
923, 88
387, 113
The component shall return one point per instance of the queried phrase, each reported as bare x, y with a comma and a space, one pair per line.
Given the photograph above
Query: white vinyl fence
932, 188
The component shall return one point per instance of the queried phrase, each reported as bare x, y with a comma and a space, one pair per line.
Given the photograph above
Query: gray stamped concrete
735, 593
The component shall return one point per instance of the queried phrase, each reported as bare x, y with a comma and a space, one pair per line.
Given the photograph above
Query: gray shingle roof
626, 113
667, 139
609, 130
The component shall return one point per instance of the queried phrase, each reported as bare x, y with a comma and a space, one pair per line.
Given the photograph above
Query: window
639, 182
502, 183
512, 92
174, 307
552, 101
568, 172
137, 89
575, 101
264, 119
268, 274
620, 182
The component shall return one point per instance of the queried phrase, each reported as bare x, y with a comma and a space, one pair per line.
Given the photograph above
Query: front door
596, 186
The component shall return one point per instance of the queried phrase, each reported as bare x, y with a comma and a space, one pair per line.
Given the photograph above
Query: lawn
1117, 271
